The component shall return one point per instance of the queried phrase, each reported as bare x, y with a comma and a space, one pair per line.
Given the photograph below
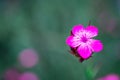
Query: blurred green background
44, 25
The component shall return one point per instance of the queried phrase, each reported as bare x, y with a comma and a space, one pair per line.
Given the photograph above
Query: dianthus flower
81, 41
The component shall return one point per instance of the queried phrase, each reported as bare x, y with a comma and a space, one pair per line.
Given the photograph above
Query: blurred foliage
44, 26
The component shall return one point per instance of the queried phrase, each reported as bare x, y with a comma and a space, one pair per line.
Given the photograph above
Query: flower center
84, 39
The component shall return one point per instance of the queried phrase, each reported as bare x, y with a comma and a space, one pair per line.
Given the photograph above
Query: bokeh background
42, 27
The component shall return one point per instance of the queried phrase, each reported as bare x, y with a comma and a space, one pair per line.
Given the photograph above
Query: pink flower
11, 74
110, 77
28, 76
81, 42
28, 58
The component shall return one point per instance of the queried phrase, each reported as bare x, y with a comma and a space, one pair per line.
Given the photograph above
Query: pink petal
84, 51
69, 40
96, 45
91, 31
77, 28
72, 42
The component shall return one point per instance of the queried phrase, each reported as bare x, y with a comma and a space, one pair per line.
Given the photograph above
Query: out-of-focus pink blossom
110, 77
28, 76
28, 58
11, 74
81, 42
